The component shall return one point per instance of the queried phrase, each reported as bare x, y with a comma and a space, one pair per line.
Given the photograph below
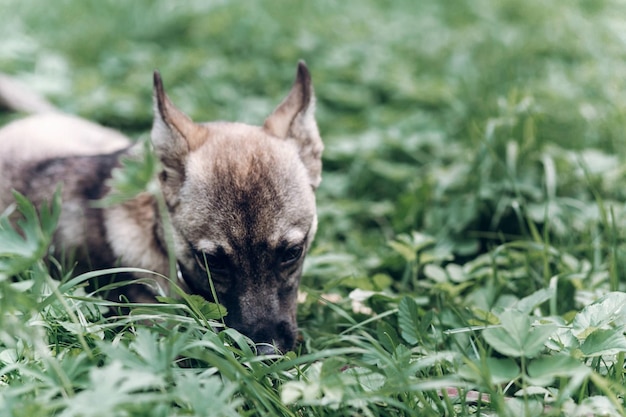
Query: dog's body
240, 199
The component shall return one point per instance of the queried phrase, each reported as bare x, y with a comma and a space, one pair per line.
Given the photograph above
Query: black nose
267, 349
272, 339
262, 344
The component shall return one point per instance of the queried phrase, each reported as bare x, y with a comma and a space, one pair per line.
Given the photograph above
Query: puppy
240, 201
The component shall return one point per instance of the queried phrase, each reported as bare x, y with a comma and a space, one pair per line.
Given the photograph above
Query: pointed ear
294, 119
174, 135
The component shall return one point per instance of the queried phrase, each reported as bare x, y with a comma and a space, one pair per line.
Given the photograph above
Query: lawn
471, 249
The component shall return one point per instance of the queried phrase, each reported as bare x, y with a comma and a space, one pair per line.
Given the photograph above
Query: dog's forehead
245, 187
240, 157
238, 145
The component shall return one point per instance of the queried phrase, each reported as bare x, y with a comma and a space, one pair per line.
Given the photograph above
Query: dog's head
242, 205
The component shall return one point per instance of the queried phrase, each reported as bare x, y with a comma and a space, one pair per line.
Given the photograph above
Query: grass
472, 247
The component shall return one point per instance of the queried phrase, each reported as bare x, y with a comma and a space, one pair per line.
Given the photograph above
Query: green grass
472, 232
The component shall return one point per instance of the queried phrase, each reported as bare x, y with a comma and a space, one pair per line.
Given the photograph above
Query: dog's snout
266, 349
274, 338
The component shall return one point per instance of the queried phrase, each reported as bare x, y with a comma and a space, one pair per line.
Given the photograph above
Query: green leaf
607, 310
134, 176
110, 389
516, 337
517, 407
500, 370
436, 273
408, 320
210, 311
206, 397
387, 336
22, 246
368, 381
434, 358
544, 369
604, 342
528, 303
570, 371
409, 245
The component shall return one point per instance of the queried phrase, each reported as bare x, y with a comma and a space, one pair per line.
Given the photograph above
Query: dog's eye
217, 263
291, 255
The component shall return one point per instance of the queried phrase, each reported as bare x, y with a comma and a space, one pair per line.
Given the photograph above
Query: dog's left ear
294, 119
174, 135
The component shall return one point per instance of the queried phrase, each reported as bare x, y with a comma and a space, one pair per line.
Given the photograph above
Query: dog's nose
266, 349
271, 338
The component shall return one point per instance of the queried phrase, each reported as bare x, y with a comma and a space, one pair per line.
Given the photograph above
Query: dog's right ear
174, 135
294, 119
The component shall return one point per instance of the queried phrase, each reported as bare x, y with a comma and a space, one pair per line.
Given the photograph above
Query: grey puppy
240, 199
